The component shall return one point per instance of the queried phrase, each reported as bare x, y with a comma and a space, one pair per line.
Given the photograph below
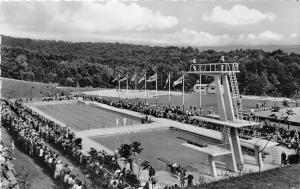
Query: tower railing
214, 67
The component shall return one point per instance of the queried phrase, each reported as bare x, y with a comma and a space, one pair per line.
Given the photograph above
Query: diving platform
212, 151
214, 68
230, 116
237, 123
259, 146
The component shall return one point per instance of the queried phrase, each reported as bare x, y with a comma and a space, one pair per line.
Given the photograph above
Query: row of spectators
8, 176
32, 133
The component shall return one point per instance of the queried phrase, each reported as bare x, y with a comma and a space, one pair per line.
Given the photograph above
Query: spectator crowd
8, 176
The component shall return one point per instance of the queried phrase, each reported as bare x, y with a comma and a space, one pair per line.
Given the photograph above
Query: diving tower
230, 113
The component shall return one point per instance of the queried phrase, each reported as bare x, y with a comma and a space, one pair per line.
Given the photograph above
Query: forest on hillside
274, 73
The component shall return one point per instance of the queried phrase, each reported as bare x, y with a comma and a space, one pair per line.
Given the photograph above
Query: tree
130, 153
275, 83
265, 85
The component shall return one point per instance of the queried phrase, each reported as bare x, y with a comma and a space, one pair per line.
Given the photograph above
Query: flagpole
135, 82
169, 89
156, 88
145, 85
119, 85
183, 92
127, 84
200, 94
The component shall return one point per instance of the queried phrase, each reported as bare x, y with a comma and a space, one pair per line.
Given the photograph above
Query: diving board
237, 123
212, 151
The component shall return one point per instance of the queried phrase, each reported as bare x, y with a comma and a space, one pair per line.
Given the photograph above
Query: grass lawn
280, 178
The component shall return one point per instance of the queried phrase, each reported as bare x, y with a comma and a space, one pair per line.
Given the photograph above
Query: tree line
274, 73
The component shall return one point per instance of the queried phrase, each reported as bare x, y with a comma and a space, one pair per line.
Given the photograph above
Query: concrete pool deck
164, 176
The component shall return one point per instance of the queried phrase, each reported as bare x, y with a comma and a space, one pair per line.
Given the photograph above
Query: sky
156, 22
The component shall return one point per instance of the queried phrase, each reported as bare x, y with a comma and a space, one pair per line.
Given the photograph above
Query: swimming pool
164, 144
80, 116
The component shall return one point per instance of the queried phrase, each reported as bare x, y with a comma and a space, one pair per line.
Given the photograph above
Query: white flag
142, 79
123, 79
115, 79
178, 81
152, 78
167, 81
133, 78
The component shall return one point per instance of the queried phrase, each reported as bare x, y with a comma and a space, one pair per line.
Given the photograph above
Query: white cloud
237, 15
189, 36
92, 17
294, 35
266, 36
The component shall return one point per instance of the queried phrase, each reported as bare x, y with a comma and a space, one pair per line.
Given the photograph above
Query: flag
152, 78
142, 79
123, 79
167, 81
178, 81
222, 59
133, 78
115, 79
194, 61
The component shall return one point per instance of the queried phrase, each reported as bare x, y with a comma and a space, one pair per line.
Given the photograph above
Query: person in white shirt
124, 121
117, 122
58, 168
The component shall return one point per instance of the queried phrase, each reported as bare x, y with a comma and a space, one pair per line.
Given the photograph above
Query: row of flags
150, 79
154, 77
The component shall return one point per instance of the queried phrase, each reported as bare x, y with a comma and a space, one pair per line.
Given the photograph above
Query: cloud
237, 15
189, 36
92, 17
202, 38
294, 35
266, 36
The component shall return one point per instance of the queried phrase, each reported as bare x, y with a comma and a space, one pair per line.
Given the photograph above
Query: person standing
182, 178
283, 158
117, 122
13, 147
151, 172
153, 180
190, 178
124, 121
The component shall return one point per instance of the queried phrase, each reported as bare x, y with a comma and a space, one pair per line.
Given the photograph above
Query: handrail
215, 67
212, 149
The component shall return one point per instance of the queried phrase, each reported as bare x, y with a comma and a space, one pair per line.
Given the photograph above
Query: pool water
80, 116
165, 144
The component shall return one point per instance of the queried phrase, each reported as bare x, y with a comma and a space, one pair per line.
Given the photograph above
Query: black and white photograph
150, 94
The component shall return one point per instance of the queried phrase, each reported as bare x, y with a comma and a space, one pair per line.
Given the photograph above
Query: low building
209, 88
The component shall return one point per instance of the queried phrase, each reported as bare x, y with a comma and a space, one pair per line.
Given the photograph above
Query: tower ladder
237, 101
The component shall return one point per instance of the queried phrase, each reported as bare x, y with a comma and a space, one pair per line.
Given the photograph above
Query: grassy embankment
280, 178
11, 88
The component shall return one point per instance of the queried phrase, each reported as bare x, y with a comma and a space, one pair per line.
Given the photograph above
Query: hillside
11, 88
267, 48
275, 73
63, 47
